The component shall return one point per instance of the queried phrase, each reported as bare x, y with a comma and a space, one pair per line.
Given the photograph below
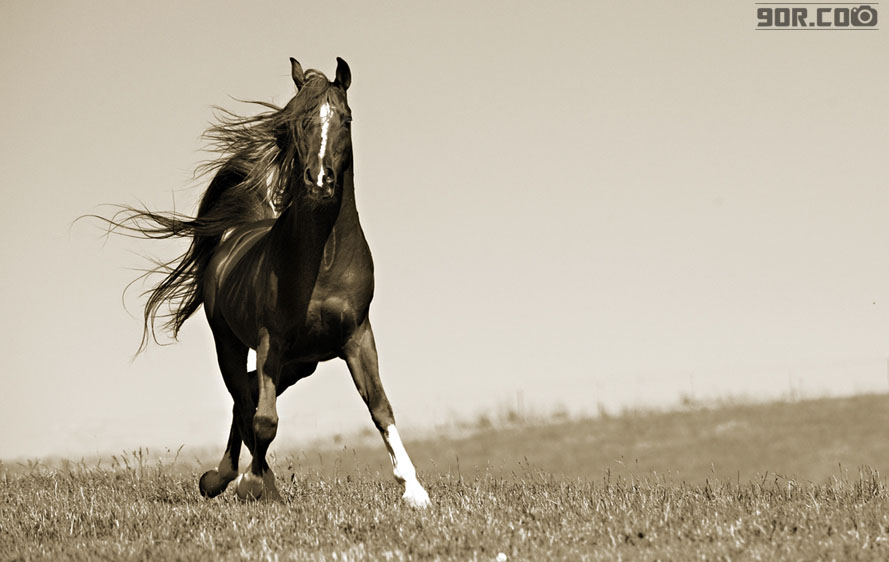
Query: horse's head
320, 130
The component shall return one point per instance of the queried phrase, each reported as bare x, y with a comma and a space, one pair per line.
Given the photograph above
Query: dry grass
560, 503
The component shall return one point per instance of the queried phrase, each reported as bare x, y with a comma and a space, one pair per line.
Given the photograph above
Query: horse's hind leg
214, 482
360, 354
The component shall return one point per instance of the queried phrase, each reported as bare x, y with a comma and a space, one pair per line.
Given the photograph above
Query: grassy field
782, 481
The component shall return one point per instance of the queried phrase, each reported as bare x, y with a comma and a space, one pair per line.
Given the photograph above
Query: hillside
806, 440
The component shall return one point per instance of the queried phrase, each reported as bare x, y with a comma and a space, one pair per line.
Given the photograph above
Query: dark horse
281, 265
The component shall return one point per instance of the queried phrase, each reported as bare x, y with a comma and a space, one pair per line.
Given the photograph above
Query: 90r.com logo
817, 16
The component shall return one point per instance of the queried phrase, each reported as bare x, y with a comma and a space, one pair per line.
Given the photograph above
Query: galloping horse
281, 265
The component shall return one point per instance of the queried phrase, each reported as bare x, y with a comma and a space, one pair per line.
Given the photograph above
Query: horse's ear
299, 78
343, 74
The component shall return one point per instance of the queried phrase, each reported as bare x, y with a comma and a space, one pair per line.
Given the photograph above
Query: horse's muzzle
322, 193
322, 187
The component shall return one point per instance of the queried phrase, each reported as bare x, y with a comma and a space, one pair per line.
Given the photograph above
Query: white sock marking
401, 462
325, 114
403, 468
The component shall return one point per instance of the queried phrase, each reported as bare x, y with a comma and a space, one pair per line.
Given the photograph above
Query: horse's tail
227, 202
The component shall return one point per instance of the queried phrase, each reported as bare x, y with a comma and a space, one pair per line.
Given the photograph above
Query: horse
280, 263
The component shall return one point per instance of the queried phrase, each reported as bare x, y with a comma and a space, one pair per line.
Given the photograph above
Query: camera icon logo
864, 16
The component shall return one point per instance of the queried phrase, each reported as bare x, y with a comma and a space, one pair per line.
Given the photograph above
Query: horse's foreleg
360, 354
260, 481
232, 357
214, 482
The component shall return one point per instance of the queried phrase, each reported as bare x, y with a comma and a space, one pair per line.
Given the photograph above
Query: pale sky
573, 203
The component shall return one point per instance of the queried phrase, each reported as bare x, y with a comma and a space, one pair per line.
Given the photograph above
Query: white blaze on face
325, 114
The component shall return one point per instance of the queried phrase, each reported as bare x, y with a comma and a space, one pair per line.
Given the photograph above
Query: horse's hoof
415, 496
248, 486
211, 484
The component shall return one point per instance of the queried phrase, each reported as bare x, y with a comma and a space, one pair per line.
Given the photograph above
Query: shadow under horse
280, 262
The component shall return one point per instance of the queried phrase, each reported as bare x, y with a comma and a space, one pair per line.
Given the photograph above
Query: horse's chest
333, 313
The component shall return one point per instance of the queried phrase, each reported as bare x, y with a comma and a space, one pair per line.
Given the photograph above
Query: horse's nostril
328, 174
307, 176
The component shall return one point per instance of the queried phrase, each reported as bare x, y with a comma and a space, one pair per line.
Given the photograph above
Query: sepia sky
570, 204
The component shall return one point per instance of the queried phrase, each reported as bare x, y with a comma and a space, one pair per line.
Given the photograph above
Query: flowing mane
263, 148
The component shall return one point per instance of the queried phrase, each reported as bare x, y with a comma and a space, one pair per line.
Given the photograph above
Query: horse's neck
314, 236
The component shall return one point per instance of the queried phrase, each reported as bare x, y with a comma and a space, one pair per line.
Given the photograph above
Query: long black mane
257, 156
264, 148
